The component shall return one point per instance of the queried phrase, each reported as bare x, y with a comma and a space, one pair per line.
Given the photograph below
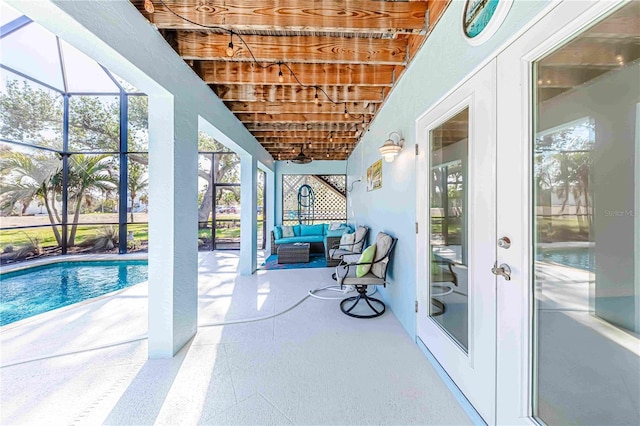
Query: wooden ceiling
606, 47
350, 53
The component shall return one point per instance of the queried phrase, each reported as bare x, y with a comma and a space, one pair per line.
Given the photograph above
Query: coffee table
293, 253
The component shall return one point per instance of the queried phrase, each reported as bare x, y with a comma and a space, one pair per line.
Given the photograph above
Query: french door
528, 267
568, 114
456, 240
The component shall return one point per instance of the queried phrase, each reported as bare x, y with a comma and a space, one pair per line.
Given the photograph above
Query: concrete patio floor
311, 365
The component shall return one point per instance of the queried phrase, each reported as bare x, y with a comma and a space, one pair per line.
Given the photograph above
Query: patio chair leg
362, 295
357, 300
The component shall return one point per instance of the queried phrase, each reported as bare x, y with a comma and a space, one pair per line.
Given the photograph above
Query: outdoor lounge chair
346, 275
351, 251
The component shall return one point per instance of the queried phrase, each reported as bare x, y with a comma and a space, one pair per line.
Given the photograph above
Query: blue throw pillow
277, 232
296, 230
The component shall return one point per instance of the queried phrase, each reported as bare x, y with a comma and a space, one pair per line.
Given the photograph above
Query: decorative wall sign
374, 176
482, 18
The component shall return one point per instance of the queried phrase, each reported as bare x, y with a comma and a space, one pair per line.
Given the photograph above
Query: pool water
573, 257
41, 289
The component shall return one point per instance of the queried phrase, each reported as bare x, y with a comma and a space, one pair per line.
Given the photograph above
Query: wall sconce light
390, 148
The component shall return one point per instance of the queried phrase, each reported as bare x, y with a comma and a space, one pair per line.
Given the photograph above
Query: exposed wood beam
550, 93
615, 27
275, 134
589, 54
290, 49
315, 146
229, 72
362, 16
285, 108
566, 77
312, 127
270, 93
318, 117
325, 139
436, 9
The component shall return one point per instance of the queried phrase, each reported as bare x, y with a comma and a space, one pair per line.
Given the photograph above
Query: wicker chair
346, 275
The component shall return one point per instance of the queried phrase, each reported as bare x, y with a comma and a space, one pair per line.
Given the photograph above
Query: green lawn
561, 228
44, 235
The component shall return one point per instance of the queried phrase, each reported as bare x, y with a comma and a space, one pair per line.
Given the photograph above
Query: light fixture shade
301, 158
390, 148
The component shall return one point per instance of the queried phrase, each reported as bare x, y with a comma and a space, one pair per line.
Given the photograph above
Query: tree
562, 167
137, 182
88, 173
223, 169
31, 113
30, 177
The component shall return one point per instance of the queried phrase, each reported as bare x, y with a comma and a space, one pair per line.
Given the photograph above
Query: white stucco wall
443, 61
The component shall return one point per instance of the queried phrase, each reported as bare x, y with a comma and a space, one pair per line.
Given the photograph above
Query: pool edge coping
5, 269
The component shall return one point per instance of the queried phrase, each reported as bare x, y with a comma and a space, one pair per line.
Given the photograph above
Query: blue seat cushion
308, 230
301, 239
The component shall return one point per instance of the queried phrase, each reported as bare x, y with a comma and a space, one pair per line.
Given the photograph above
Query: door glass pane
587, 226
448, 213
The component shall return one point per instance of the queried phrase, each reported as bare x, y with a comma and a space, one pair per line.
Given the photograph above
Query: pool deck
88, 363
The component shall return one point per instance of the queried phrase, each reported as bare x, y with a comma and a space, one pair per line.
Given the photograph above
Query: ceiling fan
301, 158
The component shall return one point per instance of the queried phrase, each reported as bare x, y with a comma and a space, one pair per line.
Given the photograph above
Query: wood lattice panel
330, 203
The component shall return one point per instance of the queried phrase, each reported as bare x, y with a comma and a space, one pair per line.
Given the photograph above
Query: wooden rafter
258, 93
303, 108
325, 74
358, 16
292, 49
318, 117
586, 53
354, 50
312, 127
316, 135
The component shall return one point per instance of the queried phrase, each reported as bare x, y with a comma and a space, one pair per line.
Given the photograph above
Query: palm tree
28, 177
137, 182
88, 173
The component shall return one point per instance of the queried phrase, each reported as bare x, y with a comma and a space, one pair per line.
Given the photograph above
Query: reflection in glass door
449, 296
587, 226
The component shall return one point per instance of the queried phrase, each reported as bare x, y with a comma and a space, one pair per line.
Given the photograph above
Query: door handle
503, 270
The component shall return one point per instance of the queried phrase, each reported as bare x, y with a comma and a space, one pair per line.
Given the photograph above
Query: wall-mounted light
391, 148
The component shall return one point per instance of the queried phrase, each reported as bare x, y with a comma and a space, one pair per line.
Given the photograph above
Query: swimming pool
575, 257
41, 289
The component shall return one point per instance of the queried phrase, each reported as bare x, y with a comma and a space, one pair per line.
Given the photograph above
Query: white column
173, 233
270, 207
248, 214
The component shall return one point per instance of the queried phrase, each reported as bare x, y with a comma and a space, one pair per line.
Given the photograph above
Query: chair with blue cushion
346, 274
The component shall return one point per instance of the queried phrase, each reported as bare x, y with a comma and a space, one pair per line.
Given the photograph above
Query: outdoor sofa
315, 235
